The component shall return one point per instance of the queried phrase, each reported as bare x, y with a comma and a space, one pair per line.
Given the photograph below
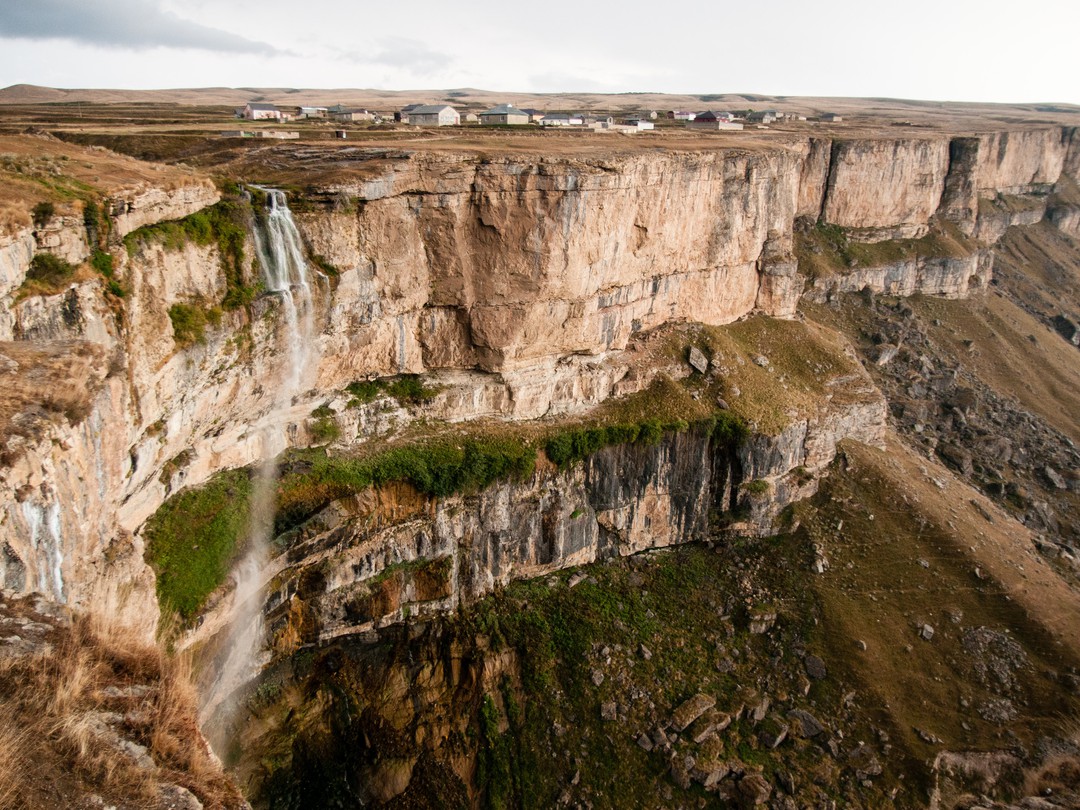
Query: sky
959, 50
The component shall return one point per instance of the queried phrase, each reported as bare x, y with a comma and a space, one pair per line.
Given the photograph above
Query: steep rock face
948, 278
519, 282
16, 251
1015, 162
371, 559
890, 186
146, 204
531, 260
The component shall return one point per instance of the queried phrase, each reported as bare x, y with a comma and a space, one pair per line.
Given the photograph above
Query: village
507, 115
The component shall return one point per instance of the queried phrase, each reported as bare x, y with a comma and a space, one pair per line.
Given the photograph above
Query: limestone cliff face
369, 560
890, 186
517, 281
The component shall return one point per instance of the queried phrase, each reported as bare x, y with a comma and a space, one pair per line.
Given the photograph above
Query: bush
50, 273
42, 213
189, 324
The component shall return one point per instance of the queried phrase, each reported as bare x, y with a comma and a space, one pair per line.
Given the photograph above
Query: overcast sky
992, 50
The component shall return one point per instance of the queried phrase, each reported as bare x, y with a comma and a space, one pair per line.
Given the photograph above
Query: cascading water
284, 274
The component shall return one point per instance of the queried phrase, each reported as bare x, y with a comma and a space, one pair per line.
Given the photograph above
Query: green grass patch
189, 323
193, 540
825, 250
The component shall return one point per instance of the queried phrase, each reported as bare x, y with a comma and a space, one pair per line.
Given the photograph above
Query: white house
255, 111
312, 112
561, 120
683, 115
434, 115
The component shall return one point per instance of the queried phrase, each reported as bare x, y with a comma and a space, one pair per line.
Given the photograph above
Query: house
403, 114
561, 120
683, 115
353, 115
762, 117
434, 115
534, 115
714, 116
254, 111
831, 117
639, 124
504, 114
311, 112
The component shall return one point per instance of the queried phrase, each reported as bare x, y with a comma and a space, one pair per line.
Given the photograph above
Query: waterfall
285, 274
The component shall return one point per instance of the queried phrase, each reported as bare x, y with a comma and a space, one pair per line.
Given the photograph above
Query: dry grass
39, 168
75, 715
805, 361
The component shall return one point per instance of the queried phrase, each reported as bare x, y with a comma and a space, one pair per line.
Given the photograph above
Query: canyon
617, 351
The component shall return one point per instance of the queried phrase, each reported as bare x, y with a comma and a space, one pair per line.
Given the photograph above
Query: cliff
517, 283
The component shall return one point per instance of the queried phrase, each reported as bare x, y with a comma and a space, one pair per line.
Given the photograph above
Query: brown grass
65, 711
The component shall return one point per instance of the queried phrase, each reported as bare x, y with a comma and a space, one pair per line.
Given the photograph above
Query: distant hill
474, 98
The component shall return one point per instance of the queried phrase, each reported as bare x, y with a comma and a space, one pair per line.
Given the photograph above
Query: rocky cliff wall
518, 281
372, 559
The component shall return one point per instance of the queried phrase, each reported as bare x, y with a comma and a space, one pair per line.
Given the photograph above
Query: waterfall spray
285, 274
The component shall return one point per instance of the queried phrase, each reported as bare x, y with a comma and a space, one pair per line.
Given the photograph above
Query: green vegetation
407, 389
102, 262
189, 322
223, 225
756, 487
323, 429
42, 213
193, 540
438, 468
824, 250
48, 275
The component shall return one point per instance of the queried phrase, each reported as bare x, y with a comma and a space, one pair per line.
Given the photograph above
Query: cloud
409, 55
118, 24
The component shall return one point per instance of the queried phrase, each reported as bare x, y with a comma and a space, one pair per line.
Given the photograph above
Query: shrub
49, 273
42, 213
189, 324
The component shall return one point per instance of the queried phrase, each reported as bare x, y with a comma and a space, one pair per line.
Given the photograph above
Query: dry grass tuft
98, 709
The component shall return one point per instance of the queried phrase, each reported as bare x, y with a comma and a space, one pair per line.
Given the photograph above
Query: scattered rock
710, 723
805, 724
577, 579
608, 710
772, 732
691, 710
597, 677
1054, 478
174, 797
762, 622
886, 352
926, 632
754, 789
721, 403
645, 652
761, 360
698, 361
928, 737
815, 667
644, 741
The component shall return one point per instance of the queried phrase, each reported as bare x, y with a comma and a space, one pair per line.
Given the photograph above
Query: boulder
691, 710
